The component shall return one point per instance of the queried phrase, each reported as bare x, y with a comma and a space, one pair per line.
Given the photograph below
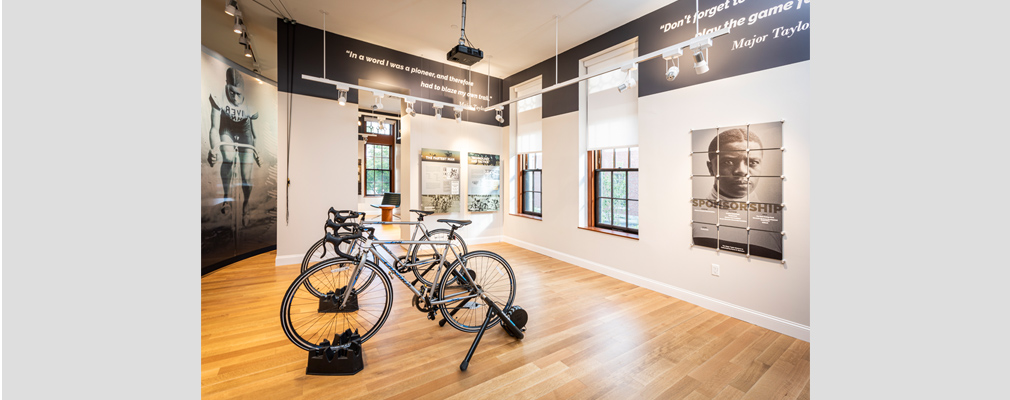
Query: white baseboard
288, 259
763, 320
483, 240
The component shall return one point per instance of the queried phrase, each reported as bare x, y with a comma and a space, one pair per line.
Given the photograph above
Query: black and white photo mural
238, 157
736, 186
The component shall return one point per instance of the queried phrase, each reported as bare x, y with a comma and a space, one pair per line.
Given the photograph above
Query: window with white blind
529, 146
612, 140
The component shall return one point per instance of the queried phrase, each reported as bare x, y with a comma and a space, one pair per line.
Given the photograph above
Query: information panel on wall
484, 177
736, 179
440, 173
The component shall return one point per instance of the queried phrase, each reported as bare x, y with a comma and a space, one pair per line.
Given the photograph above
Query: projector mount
464, 53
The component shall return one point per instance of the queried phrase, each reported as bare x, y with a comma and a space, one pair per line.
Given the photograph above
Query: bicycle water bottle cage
330, 303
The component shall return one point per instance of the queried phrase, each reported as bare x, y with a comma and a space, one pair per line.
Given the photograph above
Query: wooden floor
589, 336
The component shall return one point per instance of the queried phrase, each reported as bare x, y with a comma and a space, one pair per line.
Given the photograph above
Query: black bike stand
517, 318
476, 340
342, 358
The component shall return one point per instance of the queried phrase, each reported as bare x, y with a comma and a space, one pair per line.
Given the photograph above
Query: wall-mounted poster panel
484, 173
238, 156
737, 189
440, 172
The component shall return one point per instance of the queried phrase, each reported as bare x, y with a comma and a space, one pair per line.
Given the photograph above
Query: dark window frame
596, 192
368, 182
523, 170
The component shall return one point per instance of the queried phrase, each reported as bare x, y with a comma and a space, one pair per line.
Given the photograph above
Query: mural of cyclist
232, 139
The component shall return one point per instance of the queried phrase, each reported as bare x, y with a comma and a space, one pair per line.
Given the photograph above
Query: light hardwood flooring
589, 336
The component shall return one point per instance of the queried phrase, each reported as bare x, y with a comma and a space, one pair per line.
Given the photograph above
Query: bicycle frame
369, 246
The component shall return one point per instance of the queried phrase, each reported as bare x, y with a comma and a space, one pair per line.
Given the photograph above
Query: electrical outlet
715, 269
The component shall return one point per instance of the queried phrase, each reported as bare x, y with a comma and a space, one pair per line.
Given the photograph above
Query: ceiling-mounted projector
462, 53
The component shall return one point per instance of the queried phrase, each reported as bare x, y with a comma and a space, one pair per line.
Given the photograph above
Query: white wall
324, 142
424, 131
764, 292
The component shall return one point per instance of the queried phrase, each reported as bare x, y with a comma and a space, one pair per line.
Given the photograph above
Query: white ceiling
513, 34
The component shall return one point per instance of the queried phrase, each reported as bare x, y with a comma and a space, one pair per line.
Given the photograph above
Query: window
615, 189
530, 178
529, 143
378, 171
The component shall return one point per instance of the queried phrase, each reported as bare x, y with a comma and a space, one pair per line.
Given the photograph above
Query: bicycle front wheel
490, 273
420, 252
308, 319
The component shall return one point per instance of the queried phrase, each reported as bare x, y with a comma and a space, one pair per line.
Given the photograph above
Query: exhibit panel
741, 184
440, 173
238, 162
484, 179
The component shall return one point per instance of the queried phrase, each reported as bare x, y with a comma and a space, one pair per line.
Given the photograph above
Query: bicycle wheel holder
341, 358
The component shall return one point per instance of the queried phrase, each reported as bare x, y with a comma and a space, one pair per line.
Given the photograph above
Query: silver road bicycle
351, 291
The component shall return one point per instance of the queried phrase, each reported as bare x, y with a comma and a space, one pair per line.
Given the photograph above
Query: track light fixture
378, 102
673, 70
700, 55
243, 39
438, 112
248, 51
342, 95
458, 113
230, 7
239, 25
410, 108
497, 115
629, 82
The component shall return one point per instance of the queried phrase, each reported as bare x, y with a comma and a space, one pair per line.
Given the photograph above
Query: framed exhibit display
736, 189
440, 172
483, 180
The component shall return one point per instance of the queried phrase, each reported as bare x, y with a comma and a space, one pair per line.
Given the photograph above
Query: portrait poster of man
238, 159
736, 188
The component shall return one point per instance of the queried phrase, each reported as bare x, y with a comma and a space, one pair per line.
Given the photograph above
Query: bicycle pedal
431, 316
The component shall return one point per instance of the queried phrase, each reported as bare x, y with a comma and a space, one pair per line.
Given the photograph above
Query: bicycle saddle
423, 213
459, 222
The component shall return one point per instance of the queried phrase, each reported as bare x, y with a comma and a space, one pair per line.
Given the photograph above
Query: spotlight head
672, 72
438, 112
458, 114
700, 63
497, 115
410, 109
248, 51
342, 95
378, 102
230, 7
700, 51
239, 25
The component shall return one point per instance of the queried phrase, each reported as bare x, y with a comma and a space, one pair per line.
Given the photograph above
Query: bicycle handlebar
342, 215
336, 227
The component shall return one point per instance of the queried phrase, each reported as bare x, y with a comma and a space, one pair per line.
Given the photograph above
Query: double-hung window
529, 139
612, 140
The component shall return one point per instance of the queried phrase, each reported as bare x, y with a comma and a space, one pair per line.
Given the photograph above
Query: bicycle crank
422, 306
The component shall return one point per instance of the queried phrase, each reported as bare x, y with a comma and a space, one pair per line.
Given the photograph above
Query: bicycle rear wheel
491, 273
307, 318
426, 273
